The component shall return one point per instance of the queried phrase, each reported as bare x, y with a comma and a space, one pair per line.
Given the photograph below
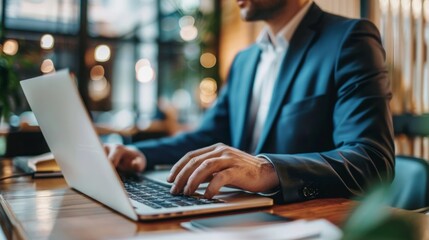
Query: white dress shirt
274, 48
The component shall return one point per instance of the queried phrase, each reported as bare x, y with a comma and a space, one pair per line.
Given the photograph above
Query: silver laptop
71, 136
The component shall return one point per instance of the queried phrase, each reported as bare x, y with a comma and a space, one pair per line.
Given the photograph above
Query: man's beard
263, 10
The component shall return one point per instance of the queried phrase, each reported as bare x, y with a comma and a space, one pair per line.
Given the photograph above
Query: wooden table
47, 208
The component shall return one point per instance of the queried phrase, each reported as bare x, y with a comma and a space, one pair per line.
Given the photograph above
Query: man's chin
247, 16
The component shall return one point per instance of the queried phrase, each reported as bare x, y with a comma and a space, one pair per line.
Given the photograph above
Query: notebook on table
71, 136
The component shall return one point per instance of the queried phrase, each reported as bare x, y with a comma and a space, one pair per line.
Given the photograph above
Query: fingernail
134, 166
173, 190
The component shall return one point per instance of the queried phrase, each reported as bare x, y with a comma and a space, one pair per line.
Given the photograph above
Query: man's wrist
275, 180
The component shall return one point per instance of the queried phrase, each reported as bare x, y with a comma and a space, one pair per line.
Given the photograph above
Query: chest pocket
306, 105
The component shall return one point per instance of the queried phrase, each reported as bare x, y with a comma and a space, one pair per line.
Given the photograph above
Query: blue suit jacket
328, 131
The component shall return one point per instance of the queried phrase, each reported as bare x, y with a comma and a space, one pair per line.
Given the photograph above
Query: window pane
43, 15
126, 18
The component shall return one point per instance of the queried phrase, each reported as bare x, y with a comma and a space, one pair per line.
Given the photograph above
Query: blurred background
150, 68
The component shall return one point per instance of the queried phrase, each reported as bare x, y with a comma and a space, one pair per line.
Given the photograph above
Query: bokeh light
208, 88
102, 53
47, 41
99, 89
10, 47
141, 63
189, 5
145, 74
186, 21
97, 72
144, 71
207, 100
47, 66
188, 33
208, 60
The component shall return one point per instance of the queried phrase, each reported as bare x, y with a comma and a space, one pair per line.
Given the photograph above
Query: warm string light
208, 60
10, 47
47, 66
208, 88
99, 87
97, 72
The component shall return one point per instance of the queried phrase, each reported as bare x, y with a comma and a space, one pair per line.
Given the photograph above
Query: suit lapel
292, 61
244, 95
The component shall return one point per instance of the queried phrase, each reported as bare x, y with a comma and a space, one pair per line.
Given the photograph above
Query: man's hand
222, 165
125, 158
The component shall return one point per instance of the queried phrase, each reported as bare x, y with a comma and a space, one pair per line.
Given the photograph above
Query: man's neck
277, 22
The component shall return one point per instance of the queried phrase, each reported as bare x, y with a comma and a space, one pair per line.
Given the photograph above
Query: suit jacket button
310, 192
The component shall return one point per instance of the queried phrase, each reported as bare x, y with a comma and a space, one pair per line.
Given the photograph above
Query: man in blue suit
304, 114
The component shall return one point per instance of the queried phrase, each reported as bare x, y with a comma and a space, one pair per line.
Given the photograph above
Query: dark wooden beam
3, 19
82, 72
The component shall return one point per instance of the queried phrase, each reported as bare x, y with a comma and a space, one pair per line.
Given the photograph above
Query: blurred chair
410, 188
411, 125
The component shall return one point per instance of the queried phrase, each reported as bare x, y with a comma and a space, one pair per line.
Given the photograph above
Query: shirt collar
280, 42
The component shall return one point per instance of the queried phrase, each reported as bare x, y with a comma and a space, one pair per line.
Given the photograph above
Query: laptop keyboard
156, 195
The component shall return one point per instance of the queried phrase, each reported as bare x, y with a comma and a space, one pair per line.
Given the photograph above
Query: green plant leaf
372, 219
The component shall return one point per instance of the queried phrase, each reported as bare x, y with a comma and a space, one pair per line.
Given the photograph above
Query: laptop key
152, 205
183, 204
168, 205
158, 196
